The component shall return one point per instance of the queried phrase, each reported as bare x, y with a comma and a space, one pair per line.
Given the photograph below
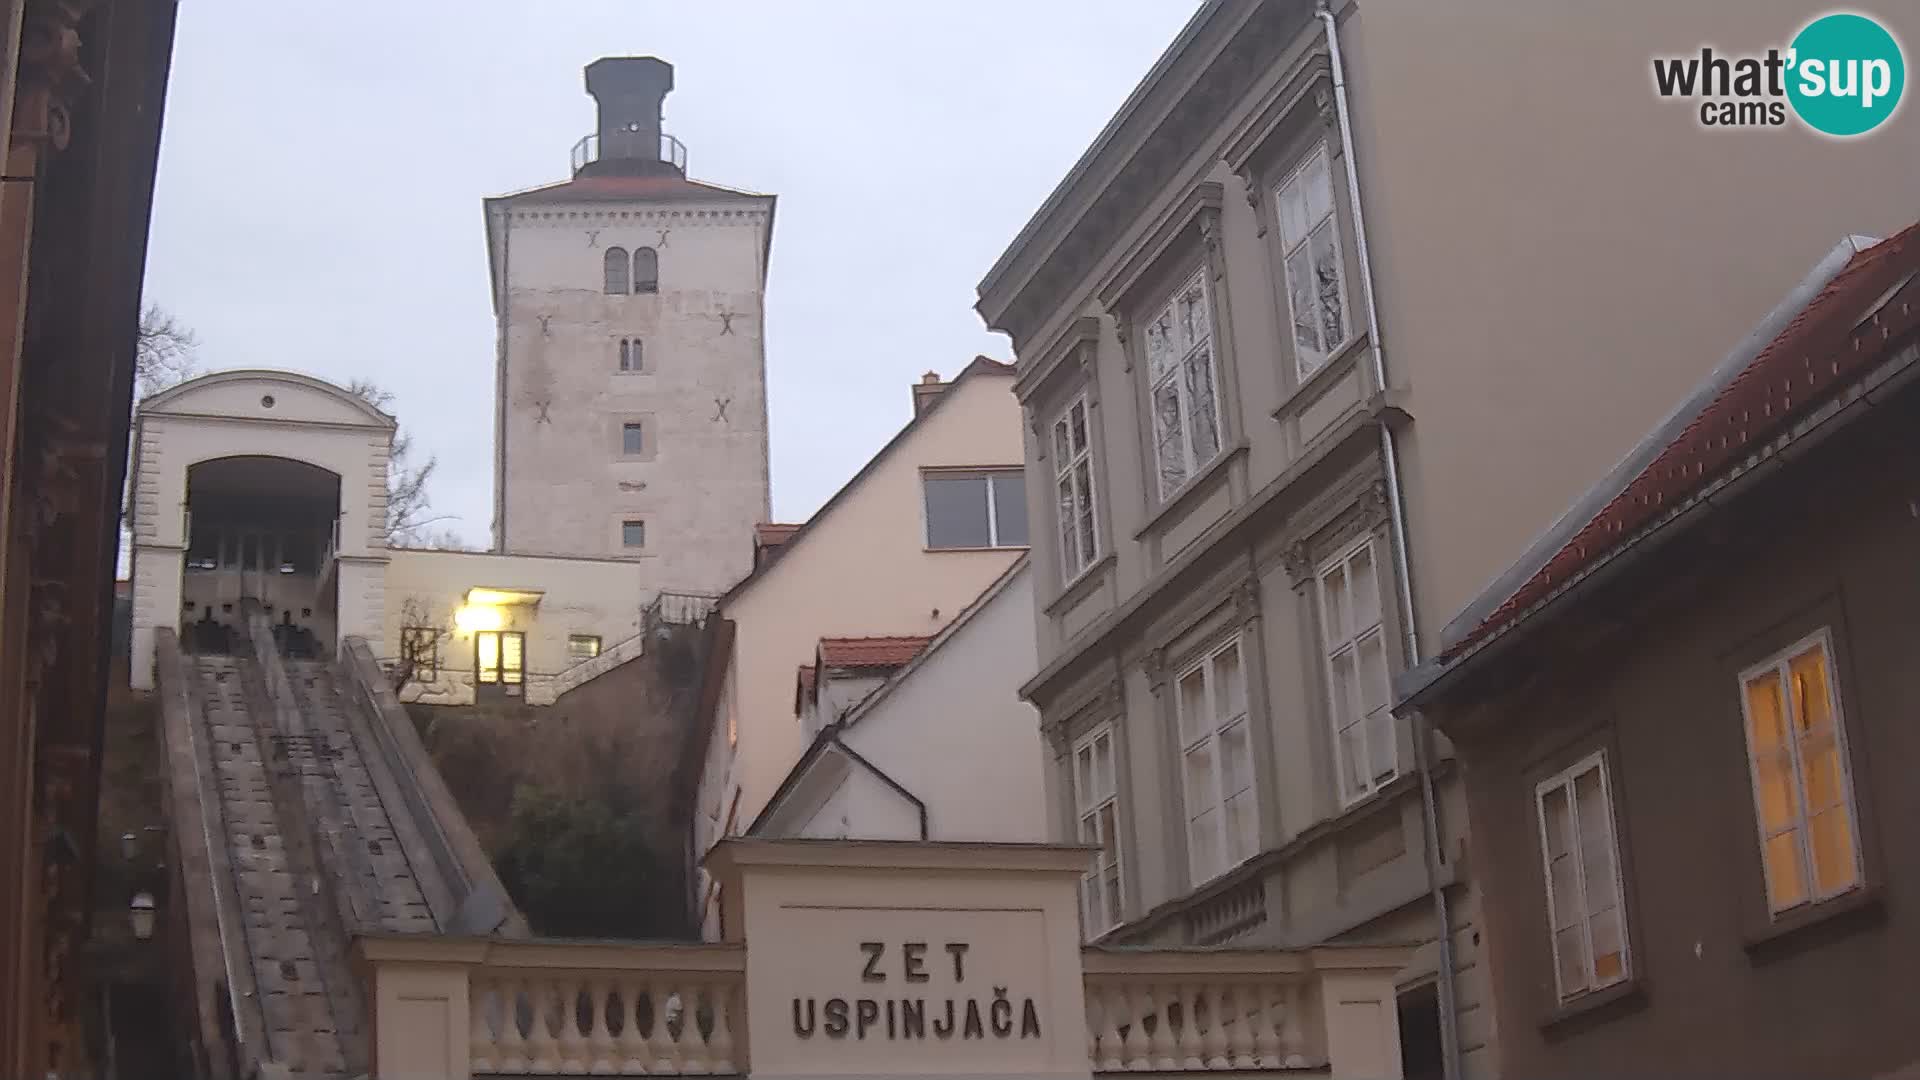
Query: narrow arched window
616, 271
630, 354
646, 271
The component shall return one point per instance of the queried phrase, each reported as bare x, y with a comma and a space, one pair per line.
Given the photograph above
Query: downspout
1402, 569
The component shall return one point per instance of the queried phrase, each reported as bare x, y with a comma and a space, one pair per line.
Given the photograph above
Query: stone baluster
480, 1047
601, 1059
1191, 1049
1219, 1011
543, 1050
1293, 1037
1096, 1019
695, 1056
1135, 1053
573, 1042
634, 1057
660, 1033
1266, 1038
1165, 1049
725, 996
513, 1045
1113, 1013
1240, 1035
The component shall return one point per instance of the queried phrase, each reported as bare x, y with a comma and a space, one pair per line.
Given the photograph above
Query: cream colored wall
226, 415
1561, 255
582, 596
702, 482
863, 569
955, 733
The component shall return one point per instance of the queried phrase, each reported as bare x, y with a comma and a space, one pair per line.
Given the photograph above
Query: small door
499, 663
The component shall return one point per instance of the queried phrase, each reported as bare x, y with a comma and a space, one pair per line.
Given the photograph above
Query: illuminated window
630, 354
1310, 244
633, 534
976, 510
614, 269
499, 657
1073, 480
1180, 372
1802, 786
1216, 764
646, 271
632, 439
1585, 909
1096, 798
582, 647
1364, 746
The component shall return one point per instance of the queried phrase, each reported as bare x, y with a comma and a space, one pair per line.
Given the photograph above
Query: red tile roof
1814, 357
669, 188
870, 652
808, 673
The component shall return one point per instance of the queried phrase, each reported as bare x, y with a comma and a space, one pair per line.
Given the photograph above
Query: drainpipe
1402, 571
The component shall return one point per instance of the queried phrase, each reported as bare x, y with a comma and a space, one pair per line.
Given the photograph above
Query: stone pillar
419, 1024
1362, 1022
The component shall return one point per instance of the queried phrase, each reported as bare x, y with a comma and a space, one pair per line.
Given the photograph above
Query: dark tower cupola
628, 140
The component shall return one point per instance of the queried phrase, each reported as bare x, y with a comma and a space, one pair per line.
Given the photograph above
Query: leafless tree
421, 636
408, 517
163, 352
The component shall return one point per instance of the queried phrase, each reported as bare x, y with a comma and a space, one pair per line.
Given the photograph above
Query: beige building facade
631, 413
900, 550
1277, 331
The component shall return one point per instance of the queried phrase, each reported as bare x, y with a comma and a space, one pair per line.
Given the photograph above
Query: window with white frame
976, 509
1073, 483
1310, 247
1365, 751
1585, 906
1216, 763
1096, 799
1802, 785
1181, 382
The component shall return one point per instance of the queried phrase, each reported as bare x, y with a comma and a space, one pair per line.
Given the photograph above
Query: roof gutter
1402, 566
1426, 686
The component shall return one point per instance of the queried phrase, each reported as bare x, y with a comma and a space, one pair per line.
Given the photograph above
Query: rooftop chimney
629, 90
925, 391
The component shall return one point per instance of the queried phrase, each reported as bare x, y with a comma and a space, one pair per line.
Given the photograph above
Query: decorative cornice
1155, 665
1298, 562
1197, 208
1069, 350
50, 75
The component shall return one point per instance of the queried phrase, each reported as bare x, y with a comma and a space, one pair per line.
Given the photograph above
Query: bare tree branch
163, 352
408, 518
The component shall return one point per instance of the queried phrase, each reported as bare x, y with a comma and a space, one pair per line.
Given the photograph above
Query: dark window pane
1010, 509
646, 271
633, 533
615, 269
957, 512
630, 439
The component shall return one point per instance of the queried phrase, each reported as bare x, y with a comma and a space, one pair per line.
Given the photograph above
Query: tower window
615, 265
633, 534
646, 271
630, 354
632, 440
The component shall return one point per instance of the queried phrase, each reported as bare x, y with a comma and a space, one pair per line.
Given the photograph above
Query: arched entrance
262, 532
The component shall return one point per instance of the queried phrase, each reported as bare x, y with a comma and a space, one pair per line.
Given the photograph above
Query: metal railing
588, 150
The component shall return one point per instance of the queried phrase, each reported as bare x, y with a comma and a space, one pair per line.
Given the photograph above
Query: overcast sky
323, 164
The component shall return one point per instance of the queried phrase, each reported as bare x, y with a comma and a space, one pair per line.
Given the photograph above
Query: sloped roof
666, 188
1820, 349
870, 652
771, 534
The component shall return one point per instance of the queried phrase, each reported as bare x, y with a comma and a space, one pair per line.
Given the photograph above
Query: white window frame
1079, 534
576, 655
1210, 735
632, 356
1337, 642
1096, 918
988, 475
1304, 364
1191, 463
639, 429
1778, 665
1565, 779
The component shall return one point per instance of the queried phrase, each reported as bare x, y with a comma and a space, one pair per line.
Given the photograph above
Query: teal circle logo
1846, 75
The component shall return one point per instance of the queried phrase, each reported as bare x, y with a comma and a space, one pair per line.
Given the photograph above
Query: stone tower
630, 401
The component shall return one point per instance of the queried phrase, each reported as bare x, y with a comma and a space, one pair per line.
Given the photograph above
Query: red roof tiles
869, 652
770, 535
1817, 355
